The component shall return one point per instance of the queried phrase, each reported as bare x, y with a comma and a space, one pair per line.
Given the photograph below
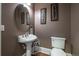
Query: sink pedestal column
28, 49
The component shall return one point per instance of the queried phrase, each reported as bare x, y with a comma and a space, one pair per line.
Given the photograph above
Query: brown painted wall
59, 28
10, 44
9, 36
44, 32
75, 28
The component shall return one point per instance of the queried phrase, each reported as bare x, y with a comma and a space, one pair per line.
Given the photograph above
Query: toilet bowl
57, 52
58, 44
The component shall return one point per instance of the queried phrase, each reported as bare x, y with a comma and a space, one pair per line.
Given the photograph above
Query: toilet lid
57, 52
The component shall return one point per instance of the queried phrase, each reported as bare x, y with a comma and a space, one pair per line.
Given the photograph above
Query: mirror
22, 18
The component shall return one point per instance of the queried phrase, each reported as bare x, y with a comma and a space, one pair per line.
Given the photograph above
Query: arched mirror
22, 18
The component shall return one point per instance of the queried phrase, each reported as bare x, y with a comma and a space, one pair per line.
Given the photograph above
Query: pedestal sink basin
27, 39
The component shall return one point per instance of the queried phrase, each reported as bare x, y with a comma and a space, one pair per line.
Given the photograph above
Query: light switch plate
2, 28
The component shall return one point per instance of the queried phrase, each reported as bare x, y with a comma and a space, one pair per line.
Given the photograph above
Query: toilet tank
58, 42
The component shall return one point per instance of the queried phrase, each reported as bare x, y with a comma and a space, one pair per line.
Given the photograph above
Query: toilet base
57, 52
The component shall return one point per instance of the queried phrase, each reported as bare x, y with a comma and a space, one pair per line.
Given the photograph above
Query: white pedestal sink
28, 41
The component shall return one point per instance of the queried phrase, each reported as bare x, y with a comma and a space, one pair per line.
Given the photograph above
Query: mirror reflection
22, 18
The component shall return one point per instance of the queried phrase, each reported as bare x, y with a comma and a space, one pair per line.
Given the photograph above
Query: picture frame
54, 12
43, 15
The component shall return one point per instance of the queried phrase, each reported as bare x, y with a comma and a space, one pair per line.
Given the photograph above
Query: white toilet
58, 44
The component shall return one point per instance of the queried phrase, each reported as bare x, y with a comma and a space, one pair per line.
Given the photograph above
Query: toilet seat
57, 52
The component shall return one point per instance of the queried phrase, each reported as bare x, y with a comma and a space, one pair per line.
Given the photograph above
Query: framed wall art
43, 15
54, 12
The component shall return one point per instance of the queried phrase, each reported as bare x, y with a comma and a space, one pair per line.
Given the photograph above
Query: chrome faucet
26, 34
